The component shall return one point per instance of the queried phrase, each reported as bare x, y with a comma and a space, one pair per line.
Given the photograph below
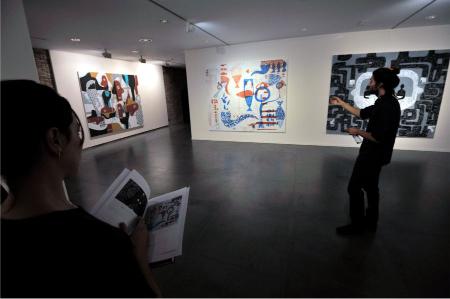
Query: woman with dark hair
376, 149
50, 247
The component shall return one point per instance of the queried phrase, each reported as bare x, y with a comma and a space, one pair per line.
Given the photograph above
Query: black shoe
370, 224
350, 230
371, 228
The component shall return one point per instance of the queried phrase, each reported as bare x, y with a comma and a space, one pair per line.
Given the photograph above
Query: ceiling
117, 25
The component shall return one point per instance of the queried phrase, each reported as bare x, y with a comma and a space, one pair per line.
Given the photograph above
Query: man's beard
370, 91
373, 89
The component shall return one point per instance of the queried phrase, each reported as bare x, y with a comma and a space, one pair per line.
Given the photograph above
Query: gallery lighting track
189, 23
413, 14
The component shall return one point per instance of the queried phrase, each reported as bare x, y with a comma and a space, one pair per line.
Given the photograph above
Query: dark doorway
175, 84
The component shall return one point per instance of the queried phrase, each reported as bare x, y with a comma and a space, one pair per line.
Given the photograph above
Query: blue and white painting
248, 96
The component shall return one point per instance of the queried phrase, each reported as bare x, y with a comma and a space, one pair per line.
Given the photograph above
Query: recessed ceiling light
164, 21
304, 29
135, 51
432, 17
75, 39
145, 40
161, 62
363, 23
39, 38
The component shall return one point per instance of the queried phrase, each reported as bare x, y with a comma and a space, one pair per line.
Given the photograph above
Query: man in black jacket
375, 151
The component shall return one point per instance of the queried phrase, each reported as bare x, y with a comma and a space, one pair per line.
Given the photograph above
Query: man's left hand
354, 131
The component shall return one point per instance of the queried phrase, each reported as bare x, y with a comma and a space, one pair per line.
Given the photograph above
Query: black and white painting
133, 196
420, 92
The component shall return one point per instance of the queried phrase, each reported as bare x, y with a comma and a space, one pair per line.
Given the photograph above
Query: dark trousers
365, 176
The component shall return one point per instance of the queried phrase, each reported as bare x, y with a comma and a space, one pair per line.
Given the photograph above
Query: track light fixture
189, 27
106, 54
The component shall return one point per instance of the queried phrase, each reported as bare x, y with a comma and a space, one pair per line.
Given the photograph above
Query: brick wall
44, 67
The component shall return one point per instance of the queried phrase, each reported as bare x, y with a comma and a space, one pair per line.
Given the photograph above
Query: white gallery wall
309, 71
151, 89
16, 51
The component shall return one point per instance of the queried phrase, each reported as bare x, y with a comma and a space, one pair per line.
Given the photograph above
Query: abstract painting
111, 102
422, 80
248, 96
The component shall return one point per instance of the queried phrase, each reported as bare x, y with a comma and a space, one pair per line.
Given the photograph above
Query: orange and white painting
111, 102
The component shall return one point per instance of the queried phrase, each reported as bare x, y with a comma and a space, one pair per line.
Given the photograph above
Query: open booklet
128, 198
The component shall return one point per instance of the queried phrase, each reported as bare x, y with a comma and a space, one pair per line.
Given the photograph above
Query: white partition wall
16, 51
151, 88
309, 73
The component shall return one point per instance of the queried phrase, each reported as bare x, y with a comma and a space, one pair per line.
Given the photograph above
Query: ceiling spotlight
75, 39
145, 40
134, 51
432, 17
106, 54
304, 29
142, 60
164, 21
170, 61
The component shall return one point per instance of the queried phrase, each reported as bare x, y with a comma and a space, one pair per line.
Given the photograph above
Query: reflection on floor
261, 218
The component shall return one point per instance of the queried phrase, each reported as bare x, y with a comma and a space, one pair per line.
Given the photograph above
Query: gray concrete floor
261, 217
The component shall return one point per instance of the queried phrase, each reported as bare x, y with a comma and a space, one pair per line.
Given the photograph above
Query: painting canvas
422, 79
111, 102
248, 96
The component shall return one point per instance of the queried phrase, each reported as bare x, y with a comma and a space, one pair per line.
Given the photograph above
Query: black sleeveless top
68, 254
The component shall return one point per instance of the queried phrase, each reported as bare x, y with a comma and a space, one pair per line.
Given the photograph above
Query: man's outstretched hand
336, 101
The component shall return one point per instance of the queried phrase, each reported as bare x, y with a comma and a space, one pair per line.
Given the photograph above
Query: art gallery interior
231, 98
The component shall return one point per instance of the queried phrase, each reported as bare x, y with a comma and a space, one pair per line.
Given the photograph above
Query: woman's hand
140, 240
